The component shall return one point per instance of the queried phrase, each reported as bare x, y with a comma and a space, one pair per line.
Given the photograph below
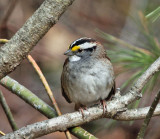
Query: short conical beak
69, 53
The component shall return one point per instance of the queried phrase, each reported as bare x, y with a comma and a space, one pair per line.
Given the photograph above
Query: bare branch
63, 122
12, 53
2, 133
135, 91
136, 114
148, 117
8, 112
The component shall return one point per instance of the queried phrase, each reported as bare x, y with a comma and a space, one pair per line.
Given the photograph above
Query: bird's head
83, 48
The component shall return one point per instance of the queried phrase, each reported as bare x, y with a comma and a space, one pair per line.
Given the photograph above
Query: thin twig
8, 112
2, 133
45, 83
148, 116
48, 89
3, 41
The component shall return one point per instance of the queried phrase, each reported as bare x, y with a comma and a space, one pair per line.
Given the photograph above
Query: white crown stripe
87, 45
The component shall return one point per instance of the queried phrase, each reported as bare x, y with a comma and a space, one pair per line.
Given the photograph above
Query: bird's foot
103, 102
81, 110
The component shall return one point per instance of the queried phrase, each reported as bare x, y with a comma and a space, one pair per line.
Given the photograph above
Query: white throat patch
74, 58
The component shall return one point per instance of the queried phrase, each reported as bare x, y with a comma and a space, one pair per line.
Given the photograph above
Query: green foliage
153, 16
136, 58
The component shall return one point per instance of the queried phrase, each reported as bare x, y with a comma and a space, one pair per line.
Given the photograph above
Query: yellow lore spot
75, 48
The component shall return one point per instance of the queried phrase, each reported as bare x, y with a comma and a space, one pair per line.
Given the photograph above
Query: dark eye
80, 50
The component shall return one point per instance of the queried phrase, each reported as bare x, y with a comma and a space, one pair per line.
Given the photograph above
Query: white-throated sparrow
87, 75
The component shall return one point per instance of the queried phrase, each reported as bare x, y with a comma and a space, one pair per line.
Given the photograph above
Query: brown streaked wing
112, 92
65, 94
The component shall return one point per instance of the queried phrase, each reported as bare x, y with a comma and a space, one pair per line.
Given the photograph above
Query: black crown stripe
81, 41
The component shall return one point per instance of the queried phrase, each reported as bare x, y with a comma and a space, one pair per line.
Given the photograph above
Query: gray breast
89, 83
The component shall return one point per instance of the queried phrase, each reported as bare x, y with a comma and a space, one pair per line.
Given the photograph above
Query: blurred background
118, 25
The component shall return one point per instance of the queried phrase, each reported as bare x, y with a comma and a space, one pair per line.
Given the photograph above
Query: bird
88, 76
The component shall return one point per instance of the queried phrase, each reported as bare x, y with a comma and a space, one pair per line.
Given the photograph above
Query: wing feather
64, 93
112, 92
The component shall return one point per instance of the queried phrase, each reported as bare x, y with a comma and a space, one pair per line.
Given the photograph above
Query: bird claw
104, 106
82, 111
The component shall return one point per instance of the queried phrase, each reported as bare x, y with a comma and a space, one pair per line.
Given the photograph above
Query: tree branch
135, 91
8, 112
136, 114
148, 117
63, 122
12, 53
